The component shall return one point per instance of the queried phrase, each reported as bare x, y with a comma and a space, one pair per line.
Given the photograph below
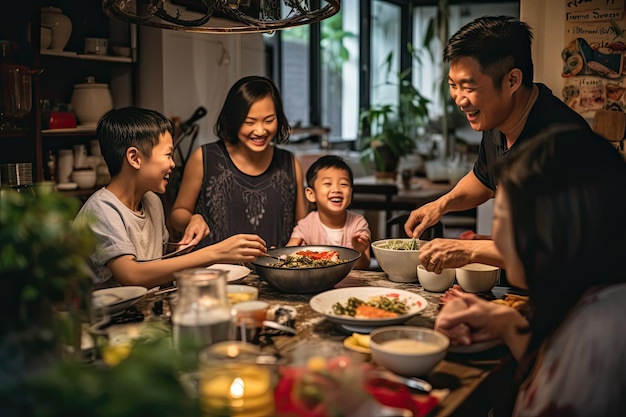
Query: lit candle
233, 384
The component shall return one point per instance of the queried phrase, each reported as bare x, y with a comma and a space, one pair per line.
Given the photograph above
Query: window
328, 71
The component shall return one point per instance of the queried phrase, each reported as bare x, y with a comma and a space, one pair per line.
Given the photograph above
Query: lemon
112, 355
362, 340
316, 363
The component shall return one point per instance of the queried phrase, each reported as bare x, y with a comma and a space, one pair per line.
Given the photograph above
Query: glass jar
202, 314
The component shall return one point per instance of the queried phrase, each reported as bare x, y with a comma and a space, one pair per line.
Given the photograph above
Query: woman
558, 224
243, 183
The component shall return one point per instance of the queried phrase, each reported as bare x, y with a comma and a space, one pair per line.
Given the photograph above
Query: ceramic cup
97, 46
65, 165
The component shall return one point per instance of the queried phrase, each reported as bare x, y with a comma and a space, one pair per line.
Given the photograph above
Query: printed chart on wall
594, 54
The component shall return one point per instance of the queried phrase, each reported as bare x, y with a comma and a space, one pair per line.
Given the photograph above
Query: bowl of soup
408, 350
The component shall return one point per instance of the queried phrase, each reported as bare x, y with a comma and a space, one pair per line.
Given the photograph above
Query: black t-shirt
547, 111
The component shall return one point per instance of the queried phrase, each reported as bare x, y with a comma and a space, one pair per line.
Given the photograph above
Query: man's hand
422, 218
439, 254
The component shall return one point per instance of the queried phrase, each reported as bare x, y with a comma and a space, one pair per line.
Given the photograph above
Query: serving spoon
411, 382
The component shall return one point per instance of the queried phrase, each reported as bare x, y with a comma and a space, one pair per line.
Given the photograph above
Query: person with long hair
558, 223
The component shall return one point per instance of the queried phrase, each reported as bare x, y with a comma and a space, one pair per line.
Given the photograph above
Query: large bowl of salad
306, 269
399, 258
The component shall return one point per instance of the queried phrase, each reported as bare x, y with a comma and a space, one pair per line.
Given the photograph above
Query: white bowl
408, 350
239, 293
434, 282
477, 277
85, 178
436, 170
400, 265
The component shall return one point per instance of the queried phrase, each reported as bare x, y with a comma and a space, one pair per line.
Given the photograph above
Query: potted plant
389, 131
43, 271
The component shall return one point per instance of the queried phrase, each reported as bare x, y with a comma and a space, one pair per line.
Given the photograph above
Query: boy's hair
327, 161
120, 129
498, 43
240, 98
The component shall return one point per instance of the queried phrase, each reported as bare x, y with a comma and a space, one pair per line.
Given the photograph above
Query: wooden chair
396, 225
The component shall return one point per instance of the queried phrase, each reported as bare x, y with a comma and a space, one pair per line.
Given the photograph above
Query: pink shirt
312, 231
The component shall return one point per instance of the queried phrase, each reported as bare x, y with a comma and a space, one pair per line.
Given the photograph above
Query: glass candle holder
233, 381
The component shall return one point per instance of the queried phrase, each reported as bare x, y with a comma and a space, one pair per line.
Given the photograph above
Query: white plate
234, 272
475, 347
67, 186
323, 304
119, 298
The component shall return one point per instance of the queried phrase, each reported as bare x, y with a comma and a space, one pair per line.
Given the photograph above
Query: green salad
412, 244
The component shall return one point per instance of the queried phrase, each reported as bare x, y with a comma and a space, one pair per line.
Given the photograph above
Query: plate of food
368, 307
233, 272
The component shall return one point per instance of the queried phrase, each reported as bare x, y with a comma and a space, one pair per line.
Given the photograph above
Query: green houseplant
388, 131
43, 271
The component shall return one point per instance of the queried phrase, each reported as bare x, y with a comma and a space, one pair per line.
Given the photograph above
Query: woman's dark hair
327, 161
498, 43
120, 129
240, 98
566, 193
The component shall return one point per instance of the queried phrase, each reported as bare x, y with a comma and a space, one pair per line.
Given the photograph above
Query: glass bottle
202, 315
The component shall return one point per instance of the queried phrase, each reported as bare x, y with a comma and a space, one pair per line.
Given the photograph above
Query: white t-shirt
120, 231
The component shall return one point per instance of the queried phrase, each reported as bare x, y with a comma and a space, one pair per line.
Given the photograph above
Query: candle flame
232, 351
237, 388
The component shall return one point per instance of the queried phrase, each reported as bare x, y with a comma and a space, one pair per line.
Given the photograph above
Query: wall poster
594, 55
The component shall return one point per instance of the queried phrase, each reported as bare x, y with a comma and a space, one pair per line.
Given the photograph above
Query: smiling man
491, 81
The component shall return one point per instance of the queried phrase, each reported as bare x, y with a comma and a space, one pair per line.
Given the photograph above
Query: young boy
127, 216
330, 183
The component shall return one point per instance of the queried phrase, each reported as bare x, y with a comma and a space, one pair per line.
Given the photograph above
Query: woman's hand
484, 321
195, 231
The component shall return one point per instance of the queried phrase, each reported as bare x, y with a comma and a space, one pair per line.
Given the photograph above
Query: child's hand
239, 248
361, 241
195, 231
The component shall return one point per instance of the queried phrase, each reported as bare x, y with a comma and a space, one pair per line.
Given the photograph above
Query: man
491, 80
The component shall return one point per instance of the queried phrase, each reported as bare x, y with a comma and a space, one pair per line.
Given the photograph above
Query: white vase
91, 101
60, 24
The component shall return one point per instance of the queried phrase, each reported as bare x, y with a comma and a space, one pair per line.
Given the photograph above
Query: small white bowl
239, 293
434, 282
408, 350
477, 277
85, 178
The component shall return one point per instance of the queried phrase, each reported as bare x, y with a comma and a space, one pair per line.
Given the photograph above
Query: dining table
469, 379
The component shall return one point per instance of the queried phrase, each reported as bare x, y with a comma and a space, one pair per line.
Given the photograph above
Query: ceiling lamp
221, 16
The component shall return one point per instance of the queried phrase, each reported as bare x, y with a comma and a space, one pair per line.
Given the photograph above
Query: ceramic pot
60, 24
91, 101
45, 37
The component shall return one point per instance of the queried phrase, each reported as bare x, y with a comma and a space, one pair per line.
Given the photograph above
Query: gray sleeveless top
233, 202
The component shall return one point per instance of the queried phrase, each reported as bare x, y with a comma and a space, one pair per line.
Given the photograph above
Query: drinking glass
202, 315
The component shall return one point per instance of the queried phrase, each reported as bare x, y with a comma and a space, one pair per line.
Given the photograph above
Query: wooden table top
468, 376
